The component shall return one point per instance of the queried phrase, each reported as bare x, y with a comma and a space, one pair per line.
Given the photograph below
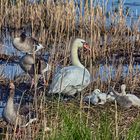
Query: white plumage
96, 98
72, 79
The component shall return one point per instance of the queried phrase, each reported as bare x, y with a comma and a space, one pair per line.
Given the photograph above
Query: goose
28, 64
72, 79
11, 114
26, 44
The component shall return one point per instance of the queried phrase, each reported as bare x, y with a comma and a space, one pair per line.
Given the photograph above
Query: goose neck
12, 92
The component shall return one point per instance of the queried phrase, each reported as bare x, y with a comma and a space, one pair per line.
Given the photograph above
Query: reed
55, 25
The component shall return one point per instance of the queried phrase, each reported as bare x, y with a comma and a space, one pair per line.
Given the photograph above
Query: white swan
72, 79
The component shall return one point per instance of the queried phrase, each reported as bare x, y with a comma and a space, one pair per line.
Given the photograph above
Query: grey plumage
97, 97
13, 113
28, 64
26, 44
91, 99
123, 101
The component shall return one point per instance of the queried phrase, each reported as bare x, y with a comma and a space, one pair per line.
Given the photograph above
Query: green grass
104, 130
72, 128
72, 124
134, 131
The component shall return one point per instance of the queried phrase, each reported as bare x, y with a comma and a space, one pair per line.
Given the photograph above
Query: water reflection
10, 70
109, 72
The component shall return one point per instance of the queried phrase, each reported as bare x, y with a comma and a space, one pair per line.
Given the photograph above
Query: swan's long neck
123, 92
74, 55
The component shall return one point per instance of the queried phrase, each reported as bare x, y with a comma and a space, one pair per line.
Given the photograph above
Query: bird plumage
26, 44
71, 79
13, 113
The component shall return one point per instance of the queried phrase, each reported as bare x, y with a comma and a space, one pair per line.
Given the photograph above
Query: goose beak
39, 47
86, 46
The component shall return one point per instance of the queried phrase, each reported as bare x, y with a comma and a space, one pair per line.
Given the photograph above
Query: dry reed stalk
116, 122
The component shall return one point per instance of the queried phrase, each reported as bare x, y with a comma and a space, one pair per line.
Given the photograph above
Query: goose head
23, 36
12, 89
26, 44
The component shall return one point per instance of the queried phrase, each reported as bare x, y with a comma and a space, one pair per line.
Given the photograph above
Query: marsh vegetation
114, 60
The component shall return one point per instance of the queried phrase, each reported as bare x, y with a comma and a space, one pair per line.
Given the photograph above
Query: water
10, 70
131, 6
106, 72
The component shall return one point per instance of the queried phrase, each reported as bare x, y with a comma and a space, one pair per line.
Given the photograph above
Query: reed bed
113, 45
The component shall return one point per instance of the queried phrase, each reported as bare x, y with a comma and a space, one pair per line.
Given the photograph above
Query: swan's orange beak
86, 46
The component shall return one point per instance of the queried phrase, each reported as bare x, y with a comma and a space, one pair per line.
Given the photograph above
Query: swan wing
69, 78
